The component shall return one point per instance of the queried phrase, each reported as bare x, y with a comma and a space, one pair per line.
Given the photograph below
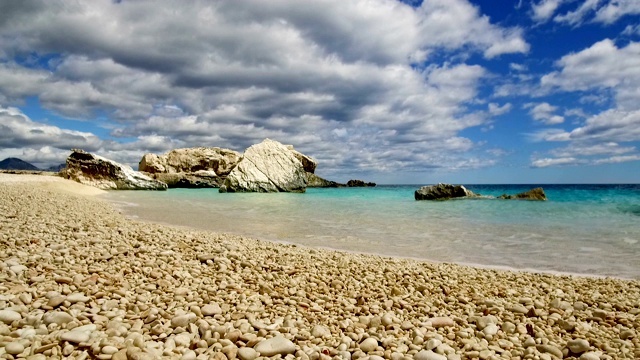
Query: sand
79, 280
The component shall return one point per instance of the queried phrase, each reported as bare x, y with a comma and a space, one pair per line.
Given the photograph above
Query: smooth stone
109, 350
57, 317
368, 344
490, 329
274, 346
591, 355
183, 320
211, 309
75, 336
9, 316
56, 301
578, 346
189, 355
247, 353
14, 348
77, 297
428, 355
320, 331
442, 321
484, 321
432, 344
550, 349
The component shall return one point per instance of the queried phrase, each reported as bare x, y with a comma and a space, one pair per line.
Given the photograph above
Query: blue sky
483, 91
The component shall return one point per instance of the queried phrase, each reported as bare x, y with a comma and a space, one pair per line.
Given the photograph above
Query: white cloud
544, 112
497, 110
544, 10
618, 159
546, 162
601, 66
630, 30
600, 11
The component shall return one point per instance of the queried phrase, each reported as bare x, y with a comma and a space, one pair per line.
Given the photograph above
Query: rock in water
267, 167
443, 192
314, 180
94, 170
533, 194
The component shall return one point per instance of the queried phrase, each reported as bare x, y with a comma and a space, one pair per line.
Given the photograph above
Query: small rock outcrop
267, 167
94, 170
316, 181
360, 183
199, 167
533, 194
443, 192
308, 163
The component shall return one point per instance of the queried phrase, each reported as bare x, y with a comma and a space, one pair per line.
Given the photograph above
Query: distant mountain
57, 168
16, 164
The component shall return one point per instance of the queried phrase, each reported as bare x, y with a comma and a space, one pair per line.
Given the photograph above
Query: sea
589, 230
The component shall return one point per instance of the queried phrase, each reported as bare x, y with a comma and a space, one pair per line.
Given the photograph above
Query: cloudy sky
470, 91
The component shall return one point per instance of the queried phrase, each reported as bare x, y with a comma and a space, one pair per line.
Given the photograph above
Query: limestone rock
94, 170
9, 316
428, 355
194, 180
267, 167
191, 160
533, 194
308, 163
443, 192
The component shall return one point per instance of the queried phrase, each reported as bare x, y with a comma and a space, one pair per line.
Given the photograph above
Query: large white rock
267, 167
191, 160
94, 170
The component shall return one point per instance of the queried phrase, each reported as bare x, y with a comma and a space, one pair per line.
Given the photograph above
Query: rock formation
443, 192
533, 194
308, 163
199, 167
360, 183
316, 181
94, 170
267, 167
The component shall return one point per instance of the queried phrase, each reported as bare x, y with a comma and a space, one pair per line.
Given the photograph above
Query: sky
460, 91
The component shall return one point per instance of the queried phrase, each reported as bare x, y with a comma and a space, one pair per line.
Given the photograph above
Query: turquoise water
586, 229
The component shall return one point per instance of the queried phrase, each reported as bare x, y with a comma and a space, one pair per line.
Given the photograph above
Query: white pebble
9, 316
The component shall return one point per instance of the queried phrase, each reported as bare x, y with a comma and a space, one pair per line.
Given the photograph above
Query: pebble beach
78, 280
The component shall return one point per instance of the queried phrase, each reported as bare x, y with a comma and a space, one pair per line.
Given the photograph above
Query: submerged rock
533, 194
443, 192
94, 170
267, 167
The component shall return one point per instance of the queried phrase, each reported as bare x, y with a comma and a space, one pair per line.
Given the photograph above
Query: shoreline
81, 280
122, 206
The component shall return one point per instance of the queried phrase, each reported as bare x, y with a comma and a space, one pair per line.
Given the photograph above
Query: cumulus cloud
598, 140
603, 66
497, 110
335, 78
544, 112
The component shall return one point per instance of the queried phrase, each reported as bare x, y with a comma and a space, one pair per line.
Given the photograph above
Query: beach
79, 280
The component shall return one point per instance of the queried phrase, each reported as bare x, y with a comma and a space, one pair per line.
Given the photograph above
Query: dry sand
78, 280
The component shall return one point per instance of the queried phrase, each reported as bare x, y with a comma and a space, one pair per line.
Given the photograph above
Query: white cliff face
267, 167
94, 170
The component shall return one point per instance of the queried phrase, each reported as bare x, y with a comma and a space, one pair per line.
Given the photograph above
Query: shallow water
587, 229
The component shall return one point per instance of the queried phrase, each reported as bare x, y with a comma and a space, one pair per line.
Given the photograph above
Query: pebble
14, 348
591, 355
368, 344
428, 355
277, 345
578, 346
211, 309
247, 353
76, 336
96, 280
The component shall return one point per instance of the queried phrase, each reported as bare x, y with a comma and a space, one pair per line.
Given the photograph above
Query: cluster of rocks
265, 167
79, 281
447, 191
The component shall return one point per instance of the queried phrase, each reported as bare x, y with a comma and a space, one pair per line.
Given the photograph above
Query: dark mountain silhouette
57, 168
16, 164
